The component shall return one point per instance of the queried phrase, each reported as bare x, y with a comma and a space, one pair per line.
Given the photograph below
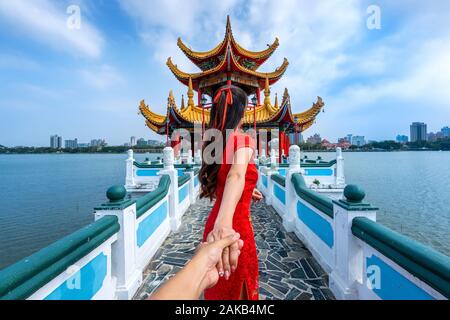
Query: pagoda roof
231, 59
253, 59
225, 64
267, 116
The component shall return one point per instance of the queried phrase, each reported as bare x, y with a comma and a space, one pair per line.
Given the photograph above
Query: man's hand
228, 261
210, 253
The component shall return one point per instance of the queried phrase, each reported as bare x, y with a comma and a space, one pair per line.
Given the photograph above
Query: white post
129, 180
340, 177
272, 170
169, 169
262, 157
255, 157
192, 194
198, 157
291, 198
124, 267
348, 255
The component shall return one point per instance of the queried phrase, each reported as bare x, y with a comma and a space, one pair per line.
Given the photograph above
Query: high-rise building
358, 141
418, 131
401, 138
132, 141
98, 143
445, 132
141, 142
349, 138
55, 142
315, 139
71, 144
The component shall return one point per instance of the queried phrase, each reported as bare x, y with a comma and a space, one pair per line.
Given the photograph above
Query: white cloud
401, 68
101, 77
44, 21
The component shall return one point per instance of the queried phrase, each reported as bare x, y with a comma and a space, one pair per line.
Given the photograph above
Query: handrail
143, 165
22, 279
323, 203
183, 179
144, 203
422, 261
312, 164
279, 179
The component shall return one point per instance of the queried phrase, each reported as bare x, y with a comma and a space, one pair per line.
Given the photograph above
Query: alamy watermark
373, 277
73, 21
74, 282
373, 21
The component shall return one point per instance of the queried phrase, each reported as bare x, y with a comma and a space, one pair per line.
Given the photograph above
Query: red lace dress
246, 273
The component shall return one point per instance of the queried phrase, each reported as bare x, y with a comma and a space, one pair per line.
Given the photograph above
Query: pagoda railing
364, 259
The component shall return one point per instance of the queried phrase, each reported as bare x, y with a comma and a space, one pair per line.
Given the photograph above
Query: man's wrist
199, 269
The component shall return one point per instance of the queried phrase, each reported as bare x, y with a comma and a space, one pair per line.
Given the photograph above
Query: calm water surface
45, 197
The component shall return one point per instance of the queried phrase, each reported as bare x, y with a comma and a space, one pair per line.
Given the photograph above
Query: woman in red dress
228, 176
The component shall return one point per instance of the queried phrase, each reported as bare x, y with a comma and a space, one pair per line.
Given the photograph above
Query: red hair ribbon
228, 100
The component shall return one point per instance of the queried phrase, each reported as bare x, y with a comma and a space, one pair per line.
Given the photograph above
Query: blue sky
87, 83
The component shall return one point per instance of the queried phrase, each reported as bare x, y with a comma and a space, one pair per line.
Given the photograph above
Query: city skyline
88, 82
445, 130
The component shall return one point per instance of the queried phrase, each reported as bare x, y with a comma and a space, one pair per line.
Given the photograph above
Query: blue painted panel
151, 223
85, 283
393, 285
279, 193
282, 172
183, 192
318, 172
147, 172
196, 181
264, 180
317, 224
154, 172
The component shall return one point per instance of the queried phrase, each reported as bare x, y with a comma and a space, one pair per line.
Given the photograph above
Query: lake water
45, 197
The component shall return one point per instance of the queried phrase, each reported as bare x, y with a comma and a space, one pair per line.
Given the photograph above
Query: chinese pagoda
230, 63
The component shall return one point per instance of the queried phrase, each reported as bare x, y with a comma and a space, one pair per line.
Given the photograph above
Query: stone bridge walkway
287, 269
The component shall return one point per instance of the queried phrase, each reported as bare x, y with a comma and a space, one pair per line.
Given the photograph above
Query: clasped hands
230, 255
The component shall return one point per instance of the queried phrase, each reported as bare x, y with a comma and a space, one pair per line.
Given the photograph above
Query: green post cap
116, 193
353, 193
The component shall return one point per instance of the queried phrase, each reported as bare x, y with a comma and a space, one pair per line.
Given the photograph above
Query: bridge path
287, 269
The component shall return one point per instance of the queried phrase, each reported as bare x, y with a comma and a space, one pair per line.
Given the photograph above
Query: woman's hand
257, 195
199, 274
211, 253
229, 260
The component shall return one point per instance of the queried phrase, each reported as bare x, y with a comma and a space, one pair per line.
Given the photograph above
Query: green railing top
144, 203
145, 165
183, 179
308, 164
422, 261
279, 179
320, 202
22, 279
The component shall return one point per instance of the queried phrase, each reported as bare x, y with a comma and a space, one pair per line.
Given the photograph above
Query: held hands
230, 254
211, 253
257, 195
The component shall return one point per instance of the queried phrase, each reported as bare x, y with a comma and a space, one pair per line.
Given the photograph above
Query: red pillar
280, 145
199, 97
258, 95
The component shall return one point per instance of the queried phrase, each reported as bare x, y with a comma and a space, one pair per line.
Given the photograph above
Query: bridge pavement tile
287, 269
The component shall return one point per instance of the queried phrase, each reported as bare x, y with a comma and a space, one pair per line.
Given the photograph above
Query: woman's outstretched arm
234, 186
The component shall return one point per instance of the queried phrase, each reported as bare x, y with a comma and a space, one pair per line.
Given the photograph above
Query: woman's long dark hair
234, 113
